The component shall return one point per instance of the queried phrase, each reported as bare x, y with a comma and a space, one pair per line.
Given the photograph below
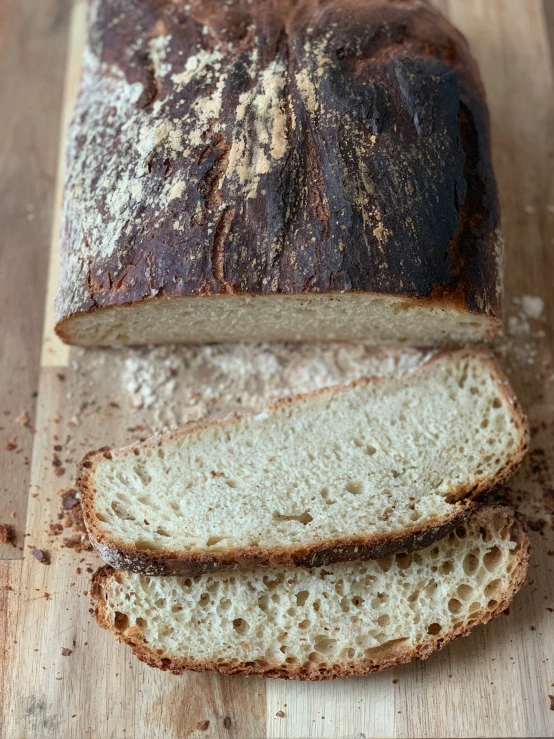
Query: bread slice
354, 472
313, 624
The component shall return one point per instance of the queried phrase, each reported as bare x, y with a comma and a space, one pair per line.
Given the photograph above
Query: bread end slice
480, 569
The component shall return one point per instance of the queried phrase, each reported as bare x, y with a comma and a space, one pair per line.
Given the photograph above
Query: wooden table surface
496, 683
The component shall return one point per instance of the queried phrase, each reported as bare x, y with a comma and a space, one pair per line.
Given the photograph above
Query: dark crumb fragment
227, 722
66, 652
40, 556
80, 543
280, 714
203, 725
10, 446
59, 471
55, 529
396, 681
70, 498
47, 596
551, 702
506, 611
6, 534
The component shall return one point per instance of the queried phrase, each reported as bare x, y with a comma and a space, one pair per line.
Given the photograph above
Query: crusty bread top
278, 147
349, 472
337, 621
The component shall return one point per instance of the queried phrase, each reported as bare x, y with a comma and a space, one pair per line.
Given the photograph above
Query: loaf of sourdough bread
314, 624
278, 170
349, 472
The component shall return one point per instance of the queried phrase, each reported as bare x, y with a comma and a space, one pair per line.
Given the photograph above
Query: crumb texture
315, 623
376, 458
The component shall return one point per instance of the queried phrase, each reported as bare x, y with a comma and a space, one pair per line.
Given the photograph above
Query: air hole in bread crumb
101, 517
240, 625
493, 589
464, 592
454, 605
492, 559
497, 403
162, 532
232, 483
434, 629
213, 540
461, 532
384, 564
446, 567
121, 621
370, 450
323, 644
303, 518
355, 487
358, 601
471, 563
140, 622
301, 597
384, 620
141, 545
403, 561
305, 624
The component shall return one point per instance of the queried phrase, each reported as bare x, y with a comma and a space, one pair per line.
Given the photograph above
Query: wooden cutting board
495, 683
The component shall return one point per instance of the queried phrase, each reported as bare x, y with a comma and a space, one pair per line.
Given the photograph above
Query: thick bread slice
355, 472
315, 624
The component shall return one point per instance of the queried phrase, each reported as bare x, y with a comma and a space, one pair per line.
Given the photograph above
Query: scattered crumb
10, 446
47, 596
203, 725
227, 722
24, 419
533, 306
7, 535
79, 543
280, 714
396, 681
551, 702
70, 498
66, 652
40, 555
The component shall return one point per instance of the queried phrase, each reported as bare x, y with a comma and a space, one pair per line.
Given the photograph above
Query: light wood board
495, 683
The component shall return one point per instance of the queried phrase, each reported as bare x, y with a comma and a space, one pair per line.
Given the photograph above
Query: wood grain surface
495, 683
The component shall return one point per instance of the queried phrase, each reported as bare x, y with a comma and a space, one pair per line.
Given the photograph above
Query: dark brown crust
392, 655
364, 546
386, 188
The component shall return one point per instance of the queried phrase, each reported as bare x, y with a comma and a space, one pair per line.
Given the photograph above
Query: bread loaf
354, 472
278, 170
337, 621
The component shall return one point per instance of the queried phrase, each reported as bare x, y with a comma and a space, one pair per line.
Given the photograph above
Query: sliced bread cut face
354, 472
313, 624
